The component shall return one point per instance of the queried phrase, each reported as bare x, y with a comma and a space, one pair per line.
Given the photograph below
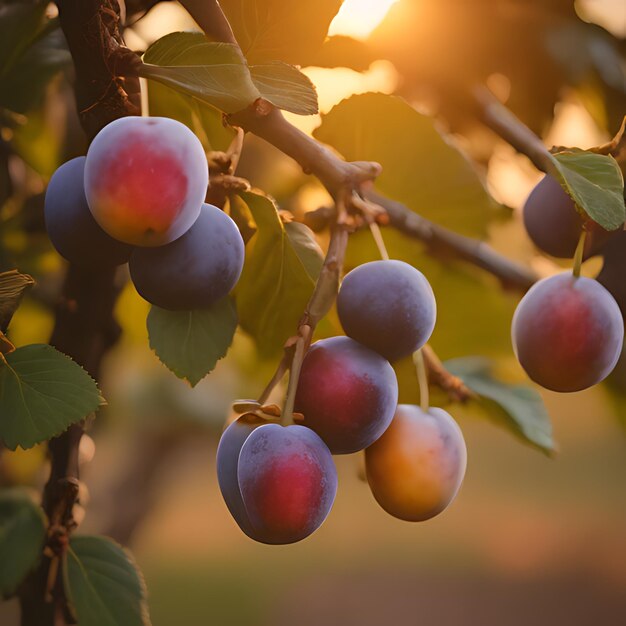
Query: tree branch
91, 28
506, 125
333, 172
337, 174
85, 328
341, 178
442, 241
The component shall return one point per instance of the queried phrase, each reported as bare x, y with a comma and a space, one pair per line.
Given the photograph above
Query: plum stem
578, 255
380, 242
422, 378
294, 374
145, 97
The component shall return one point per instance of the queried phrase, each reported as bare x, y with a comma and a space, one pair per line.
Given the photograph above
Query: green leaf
19, 25
420, 168
32, 51
13, 284
286, 87
216, 74
190, 343
22, 536
306, 247
595, 183
275, 285
518, 408
103, 584
273, 29
42, 393
23, 87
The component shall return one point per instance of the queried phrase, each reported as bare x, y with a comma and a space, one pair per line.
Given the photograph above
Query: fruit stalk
579, 254
380, 242
322, 299
294, 374
422, 378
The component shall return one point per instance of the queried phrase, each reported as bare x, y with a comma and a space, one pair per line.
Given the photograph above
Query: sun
358, 18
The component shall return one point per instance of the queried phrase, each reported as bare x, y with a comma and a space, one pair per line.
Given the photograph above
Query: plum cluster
568, 330
138, 197
279, 482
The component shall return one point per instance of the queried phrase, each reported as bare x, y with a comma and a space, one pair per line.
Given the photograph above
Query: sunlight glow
333, 85
358, 18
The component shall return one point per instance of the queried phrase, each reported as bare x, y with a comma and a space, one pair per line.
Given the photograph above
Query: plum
196, 270
71, 226
288, 482
387, 306
347, 393
613, 277
228, 451
568, 332
146, 179
416, 468
613, 273
554, 224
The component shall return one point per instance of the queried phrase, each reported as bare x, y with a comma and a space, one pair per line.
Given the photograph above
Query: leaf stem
578, 255
422, 378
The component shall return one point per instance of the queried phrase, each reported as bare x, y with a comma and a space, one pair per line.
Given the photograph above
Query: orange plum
416, 468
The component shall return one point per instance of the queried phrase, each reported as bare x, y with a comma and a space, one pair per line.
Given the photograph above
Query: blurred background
530, 539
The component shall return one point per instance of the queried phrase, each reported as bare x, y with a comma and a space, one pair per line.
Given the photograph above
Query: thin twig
319, 304
439, 376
